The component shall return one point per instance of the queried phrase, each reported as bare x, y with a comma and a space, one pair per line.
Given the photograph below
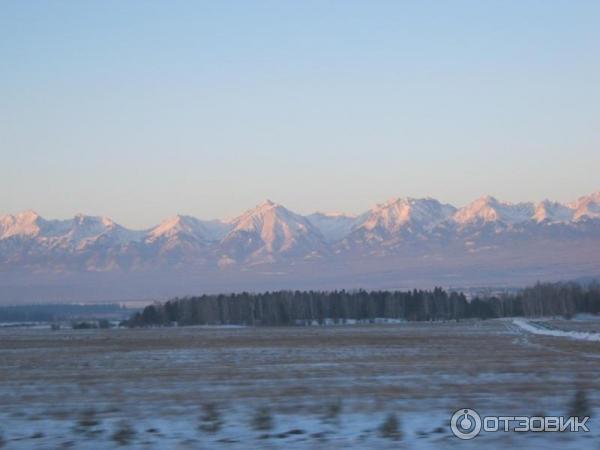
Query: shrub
83, 325
210, 420
87, 423
390, 428
580, 405
262, 419
124, 434
332, 412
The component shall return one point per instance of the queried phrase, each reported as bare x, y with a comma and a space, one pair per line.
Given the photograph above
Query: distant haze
142, 110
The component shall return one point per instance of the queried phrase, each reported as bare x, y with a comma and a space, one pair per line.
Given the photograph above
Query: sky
139, 110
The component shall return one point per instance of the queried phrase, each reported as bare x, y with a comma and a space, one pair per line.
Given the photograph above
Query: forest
281, 308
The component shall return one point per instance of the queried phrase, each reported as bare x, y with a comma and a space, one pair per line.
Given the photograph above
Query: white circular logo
465, 423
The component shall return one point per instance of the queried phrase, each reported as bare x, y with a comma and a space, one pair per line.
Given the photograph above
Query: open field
293, 387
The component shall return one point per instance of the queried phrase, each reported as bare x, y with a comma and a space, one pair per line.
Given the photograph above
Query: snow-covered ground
542, 328
306, 387
359, 431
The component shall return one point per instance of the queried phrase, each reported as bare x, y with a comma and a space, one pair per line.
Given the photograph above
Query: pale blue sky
141, 110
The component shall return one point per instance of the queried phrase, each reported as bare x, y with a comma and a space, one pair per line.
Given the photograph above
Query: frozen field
313, 387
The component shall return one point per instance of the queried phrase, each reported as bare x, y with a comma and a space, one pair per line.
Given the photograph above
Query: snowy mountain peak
83, 230
188, 226
175, 225
25, 223
483, 209
587, 206
74, 233
270, 228
28, 215
489, 209
396, 213
102, 221
256, 217
265, 206
552, 212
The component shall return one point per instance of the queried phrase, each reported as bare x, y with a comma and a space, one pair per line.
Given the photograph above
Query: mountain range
396, 242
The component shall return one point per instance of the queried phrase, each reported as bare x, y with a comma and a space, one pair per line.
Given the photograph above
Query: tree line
54, 312
319, 307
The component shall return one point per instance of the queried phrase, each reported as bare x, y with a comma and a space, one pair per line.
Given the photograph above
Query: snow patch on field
543, 329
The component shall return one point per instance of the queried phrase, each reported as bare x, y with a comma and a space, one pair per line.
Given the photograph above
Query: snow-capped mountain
402, 234
85, 230
30, 224
397, 219
334, 226
586, 207
179, 226
552, 212
175, 241
73, 233
269, 230
399, 213
488, 209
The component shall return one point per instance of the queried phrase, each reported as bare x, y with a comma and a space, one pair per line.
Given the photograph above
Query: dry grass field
300, 387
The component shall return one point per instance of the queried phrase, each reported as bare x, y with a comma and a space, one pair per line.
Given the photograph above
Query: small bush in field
262, 419
580, 405
88, 423
390, 428
332, 412
84, 325
210, 420
124, 434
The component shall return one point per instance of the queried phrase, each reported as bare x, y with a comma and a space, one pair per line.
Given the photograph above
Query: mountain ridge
270, 238
487, 208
